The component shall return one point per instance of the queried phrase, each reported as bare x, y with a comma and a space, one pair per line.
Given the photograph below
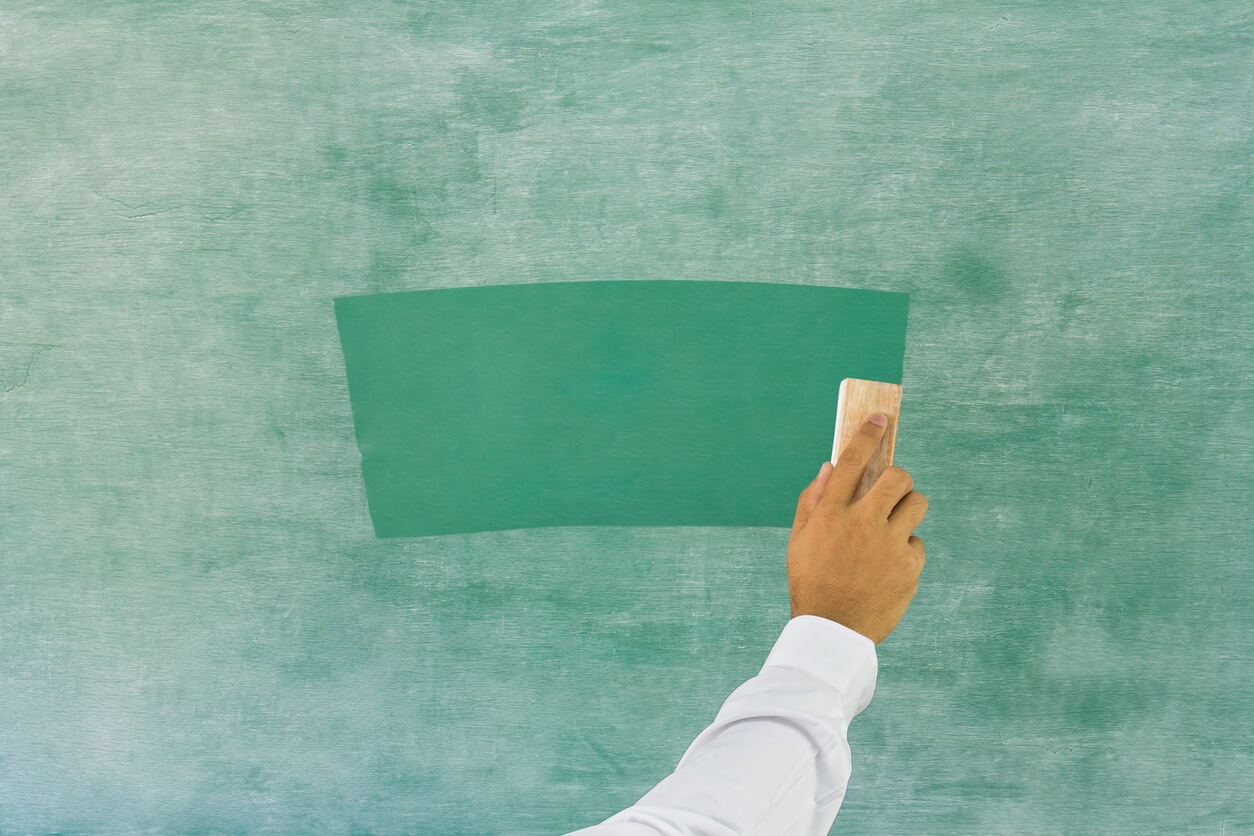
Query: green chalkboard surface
201, 630
644, 403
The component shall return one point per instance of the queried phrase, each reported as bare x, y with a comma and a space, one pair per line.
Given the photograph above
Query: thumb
810, 496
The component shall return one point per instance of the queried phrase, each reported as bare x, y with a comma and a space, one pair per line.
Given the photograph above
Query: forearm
776, 758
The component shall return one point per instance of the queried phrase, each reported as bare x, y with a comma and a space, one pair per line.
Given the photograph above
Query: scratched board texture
199, 631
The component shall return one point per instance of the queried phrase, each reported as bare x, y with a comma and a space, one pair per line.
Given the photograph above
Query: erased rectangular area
641, 403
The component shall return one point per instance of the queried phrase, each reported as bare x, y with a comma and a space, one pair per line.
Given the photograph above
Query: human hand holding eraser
851, 561
776, 759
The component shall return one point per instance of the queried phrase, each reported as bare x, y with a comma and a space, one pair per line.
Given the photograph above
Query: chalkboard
200, 631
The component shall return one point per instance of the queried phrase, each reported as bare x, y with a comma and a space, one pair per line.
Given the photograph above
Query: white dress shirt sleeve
775, 761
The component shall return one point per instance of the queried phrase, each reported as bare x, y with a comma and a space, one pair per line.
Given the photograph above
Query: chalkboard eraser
858, 400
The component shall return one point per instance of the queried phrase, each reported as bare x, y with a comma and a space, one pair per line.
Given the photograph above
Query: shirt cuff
841, 657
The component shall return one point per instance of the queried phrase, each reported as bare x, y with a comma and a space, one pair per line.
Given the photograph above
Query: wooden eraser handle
858, 399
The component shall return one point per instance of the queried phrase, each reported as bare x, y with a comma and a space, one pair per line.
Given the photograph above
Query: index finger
852, 461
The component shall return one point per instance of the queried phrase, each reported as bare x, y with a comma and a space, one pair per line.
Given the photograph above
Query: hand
856, 563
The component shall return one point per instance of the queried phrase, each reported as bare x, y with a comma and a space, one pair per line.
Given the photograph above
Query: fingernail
878, 419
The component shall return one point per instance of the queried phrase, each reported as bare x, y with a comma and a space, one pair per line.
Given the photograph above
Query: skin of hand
856, 563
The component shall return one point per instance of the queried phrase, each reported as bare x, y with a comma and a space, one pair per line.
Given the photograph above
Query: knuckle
899, 476
859, 527
854, 458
